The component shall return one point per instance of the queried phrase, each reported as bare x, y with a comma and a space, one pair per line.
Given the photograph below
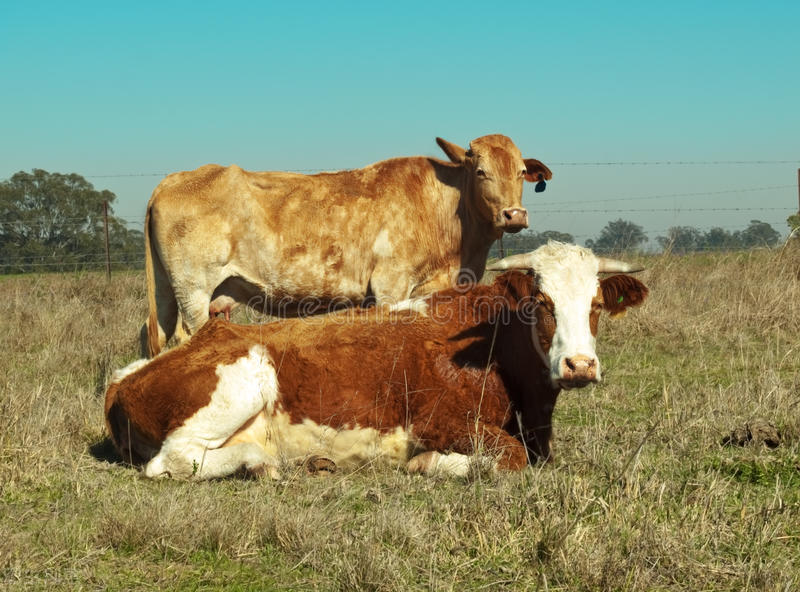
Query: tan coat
293, 244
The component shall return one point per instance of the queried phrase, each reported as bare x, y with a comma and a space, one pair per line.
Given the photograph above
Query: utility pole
108, 255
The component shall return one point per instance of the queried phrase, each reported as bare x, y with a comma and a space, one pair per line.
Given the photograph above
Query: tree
719, 239
681, 239
758, 234
794, 225
53, 221
618, 235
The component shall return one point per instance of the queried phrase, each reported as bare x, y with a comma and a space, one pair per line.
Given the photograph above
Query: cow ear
537, 172
620, 292
454, 152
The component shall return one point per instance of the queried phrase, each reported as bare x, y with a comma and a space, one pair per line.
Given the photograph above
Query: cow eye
523, 172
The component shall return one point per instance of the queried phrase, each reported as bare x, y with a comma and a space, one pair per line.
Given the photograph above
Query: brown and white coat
429, 387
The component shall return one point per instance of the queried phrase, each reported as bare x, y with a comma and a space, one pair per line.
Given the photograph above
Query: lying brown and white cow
477, 372
397, 229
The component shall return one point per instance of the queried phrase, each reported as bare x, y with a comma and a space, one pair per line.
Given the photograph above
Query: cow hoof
262, 471
424, 462
319, 465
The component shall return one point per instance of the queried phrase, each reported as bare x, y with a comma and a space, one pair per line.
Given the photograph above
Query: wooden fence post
108, 255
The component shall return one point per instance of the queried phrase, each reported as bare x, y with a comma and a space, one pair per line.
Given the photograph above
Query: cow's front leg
535, 428
441, 281
488, 446
389, 286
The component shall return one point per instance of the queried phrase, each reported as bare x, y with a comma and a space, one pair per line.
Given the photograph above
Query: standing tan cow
396, 229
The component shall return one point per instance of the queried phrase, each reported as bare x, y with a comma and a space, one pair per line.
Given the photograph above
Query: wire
81, 264
121, 175
669, 195
675, 162
563, 163
61, 225
33, 258
702, 229
599, 211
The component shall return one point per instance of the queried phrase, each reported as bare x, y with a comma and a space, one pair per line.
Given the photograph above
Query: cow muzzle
577, 371
514, 219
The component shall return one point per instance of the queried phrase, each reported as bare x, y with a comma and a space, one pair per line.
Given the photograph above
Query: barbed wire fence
92, 260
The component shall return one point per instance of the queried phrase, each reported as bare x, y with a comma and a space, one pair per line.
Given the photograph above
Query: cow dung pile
755, 431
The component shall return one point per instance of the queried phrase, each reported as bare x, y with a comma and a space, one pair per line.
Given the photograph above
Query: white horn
521, 261
606, 265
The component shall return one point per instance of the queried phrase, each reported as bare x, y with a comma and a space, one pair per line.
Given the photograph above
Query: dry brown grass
642, 495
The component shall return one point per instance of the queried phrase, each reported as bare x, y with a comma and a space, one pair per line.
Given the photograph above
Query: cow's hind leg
388, 285
197, 449
210, 295
194, 309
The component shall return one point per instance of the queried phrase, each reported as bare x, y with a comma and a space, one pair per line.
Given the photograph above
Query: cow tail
149, 270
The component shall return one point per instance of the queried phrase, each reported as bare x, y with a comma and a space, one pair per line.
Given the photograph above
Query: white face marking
568, 275
244, 388
382, 245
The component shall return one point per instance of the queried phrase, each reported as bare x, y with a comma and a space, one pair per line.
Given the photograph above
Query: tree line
54, 222
622, 235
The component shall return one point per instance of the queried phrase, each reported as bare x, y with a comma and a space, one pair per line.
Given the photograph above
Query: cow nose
514, 219
578, 370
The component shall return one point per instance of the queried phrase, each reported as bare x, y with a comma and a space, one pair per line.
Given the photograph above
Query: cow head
495, 173
568, 300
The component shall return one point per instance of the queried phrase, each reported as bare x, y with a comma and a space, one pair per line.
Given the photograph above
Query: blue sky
103, 88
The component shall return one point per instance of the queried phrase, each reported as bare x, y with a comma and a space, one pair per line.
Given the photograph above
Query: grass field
642, 495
